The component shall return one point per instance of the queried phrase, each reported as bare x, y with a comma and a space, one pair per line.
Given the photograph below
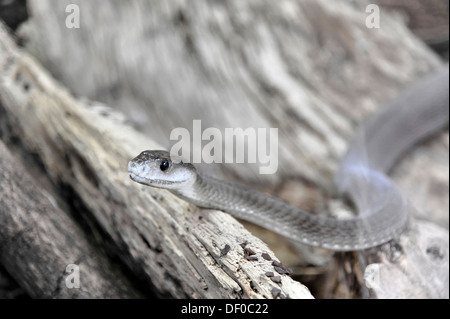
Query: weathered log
38, 241
310, 68
174, 247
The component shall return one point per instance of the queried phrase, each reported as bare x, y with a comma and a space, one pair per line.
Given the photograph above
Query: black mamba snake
383, 211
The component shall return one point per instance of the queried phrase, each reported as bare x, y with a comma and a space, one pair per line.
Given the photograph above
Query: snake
383, 212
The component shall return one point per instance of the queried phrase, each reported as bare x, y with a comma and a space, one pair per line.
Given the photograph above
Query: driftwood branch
311, 68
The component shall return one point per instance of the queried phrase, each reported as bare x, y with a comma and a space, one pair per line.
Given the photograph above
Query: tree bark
38, 241
312, 69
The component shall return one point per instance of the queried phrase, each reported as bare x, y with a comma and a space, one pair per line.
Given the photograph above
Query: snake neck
208, 192
372, 228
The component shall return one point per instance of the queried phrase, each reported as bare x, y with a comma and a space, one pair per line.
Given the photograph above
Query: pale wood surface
310, 68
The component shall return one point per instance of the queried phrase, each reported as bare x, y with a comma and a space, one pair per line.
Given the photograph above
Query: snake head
158, 169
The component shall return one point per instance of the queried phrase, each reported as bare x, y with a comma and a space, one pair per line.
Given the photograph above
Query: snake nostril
132, 165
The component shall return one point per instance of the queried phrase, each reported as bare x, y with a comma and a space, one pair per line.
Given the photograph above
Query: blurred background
312, 69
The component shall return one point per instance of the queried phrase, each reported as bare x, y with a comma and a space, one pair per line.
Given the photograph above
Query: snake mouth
149, 182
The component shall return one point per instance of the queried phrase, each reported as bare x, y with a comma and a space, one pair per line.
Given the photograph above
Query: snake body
383, 211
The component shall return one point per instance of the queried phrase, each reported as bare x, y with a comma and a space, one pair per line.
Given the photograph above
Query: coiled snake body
383, 211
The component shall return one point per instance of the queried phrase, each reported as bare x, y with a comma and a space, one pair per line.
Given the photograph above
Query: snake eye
164, 165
